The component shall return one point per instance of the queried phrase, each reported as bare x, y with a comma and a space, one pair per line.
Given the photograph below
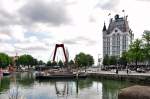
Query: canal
25, 86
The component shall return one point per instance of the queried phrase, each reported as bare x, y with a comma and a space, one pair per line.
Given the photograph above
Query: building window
124, 43
116, 30
113, 40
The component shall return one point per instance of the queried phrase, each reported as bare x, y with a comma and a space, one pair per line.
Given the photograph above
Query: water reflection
14, 93
4, 84
24, 79
111, 88
24, 86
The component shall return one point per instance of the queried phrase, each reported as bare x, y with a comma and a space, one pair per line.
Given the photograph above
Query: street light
99, 60
117, 65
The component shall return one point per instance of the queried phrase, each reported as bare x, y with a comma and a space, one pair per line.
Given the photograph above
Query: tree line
138, 53
24, 60
80, 60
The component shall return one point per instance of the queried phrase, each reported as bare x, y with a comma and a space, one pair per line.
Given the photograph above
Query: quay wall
132, 78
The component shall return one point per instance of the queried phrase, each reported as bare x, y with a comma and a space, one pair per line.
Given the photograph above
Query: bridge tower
64, 52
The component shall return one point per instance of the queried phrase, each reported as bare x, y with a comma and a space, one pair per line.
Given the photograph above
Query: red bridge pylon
64, 51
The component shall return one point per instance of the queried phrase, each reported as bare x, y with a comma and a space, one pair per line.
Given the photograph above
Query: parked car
140, 70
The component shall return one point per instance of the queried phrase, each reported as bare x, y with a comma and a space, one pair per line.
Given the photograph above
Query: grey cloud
82, 38
38, 11
6, 47
69, 41
37, 48
107, 5
31, 45
31, 48
87, 40
32, 12
7, 18
79, 40
5, 30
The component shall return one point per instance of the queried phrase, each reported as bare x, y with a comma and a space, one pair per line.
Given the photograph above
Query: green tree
123, 59
54, 63
49, 63
112, 60
35, 62
5, 60
26, 60
71, 62
60, 63
135, 52
106, 60
146, 38
83, 60
40, 62
90, 60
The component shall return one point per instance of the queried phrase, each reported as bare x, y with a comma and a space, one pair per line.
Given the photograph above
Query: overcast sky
35, 26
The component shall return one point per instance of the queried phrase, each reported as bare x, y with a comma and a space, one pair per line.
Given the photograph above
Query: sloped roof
120, 23
104, 27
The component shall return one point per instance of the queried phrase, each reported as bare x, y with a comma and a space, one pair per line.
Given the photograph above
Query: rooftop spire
104, 27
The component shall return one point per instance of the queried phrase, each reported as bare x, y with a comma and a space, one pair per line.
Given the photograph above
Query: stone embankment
135, 92
137, 78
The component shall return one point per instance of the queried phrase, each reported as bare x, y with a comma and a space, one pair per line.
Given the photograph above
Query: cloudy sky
35, 26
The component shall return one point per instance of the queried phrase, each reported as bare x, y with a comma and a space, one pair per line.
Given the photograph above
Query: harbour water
25, 86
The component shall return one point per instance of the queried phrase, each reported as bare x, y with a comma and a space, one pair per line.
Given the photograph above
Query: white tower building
117, 37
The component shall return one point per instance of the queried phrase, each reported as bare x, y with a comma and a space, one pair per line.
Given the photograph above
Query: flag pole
123, 12
109, 16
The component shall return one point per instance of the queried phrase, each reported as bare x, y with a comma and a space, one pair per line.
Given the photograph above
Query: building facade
117, 37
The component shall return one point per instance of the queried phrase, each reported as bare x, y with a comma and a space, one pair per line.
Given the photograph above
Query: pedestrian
127, 71
116, 71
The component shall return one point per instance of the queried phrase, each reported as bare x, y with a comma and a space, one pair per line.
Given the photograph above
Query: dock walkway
122, 75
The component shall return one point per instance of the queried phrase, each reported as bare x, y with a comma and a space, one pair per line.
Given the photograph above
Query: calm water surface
24, 86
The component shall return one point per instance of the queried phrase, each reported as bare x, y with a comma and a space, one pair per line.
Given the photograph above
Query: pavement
119, 72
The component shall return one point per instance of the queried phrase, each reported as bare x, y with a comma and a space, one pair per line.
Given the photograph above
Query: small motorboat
6, 73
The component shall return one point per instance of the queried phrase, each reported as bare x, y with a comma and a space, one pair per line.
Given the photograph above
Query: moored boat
6, 73
63, 75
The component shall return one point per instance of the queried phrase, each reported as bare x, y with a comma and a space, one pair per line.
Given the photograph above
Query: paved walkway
119, 72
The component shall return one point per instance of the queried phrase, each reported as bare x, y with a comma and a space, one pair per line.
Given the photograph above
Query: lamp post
99, 60
117, 65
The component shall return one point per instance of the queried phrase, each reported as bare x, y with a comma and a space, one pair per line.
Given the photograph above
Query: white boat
6, 72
